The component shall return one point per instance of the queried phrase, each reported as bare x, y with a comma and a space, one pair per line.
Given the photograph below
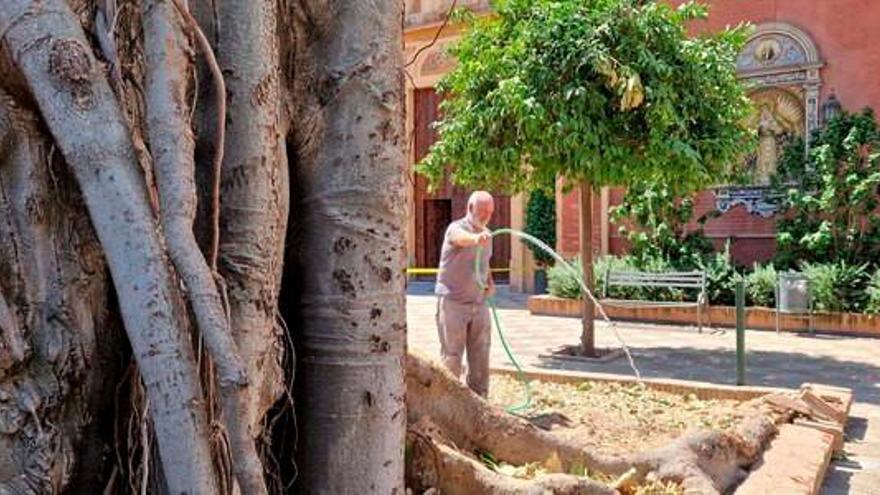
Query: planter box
796, 459
717, 316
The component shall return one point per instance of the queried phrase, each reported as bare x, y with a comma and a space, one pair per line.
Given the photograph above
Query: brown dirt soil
616, 418
704, 447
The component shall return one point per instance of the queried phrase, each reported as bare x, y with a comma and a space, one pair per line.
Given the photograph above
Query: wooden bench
667, 280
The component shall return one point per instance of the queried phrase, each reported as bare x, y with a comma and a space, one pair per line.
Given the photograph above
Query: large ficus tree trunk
148, 152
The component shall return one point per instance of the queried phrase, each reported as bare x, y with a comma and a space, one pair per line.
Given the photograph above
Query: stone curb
701, 390
793, 464
847, 324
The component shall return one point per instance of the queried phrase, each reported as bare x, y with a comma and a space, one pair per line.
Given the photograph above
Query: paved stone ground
785, 360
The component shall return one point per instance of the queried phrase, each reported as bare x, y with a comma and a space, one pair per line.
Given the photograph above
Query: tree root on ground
445, 415
434, 463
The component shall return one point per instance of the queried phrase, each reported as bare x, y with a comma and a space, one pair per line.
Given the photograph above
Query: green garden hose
527, 402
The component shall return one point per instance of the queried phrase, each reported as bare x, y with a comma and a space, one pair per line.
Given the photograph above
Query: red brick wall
846, 34
844, 31
751, 236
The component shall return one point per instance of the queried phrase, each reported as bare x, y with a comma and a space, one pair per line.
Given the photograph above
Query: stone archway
781, 56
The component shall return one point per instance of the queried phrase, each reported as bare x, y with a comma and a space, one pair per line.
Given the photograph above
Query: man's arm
462, 238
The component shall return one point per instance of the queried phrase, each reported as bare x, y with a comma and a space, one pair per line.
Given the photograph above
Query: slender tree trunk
171, 141
588, 331
49, 47
254, 191
349, 209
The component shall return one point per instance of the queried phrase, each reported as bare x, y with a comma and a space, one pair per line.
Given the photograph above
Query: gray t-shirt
456, 278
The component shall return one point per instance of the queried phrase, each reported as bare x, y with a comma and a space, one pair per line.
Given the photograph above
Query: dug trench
458, 442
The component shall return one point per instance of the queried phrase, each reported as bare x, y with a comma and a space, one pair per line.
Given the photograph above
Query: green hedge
836, 287
541, 223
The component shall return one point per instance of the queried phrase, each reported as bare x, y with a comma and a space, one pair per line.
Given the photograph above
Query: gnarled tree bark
320, 78
46, 42
57, 341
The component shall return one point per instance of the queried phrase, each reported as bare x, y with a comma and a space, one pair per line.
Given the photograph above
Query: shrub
872, 304
831, 195
761, 285
720, 277
655, 223
541, 223
837, 286
561, 282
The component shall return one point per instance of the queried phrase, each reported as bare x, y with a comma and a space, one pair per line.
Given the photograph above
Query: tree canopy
613, 92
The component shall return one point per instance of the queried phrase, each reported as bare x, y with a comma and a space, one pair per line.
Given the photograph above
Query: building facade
801, 55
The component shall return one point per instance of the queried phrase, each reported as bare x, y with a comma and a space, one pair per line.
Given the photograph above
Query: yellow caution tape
434, 271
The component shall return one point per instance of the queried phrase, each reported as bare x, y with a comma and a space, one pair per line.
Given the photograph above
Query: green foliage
837, 286
654, 222
561, 282
720, 277
612, 92
541, 223
564, 283
761, 285
872, 304
830, 215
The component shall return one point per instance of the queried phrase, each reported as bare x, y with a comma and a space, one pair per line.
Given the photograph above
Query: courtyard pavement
662, 351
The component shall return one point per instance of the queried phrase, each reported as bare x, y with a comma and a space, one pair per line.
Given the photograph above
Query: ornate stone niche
780, 65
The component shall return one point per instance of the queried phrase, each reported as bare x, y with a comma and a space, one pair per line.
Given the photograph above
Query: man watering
463, 320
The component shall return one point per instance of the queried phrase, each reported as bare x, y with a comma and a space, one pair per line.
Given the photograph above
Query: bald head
481, 205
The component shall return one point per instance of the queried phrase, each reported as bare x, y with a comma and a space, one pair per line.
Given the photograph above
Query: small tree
830, 215
601, 92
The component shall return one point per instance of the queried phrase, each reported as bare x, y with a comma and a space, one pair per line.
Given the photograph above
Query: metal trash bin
793, 297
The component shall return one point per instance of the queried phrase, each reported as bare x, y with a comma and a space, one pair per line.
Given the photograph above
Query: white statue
779, 113
768, 154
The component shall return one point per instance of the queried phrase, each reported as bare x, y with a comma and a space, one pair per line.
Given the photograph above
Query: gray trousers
465, 327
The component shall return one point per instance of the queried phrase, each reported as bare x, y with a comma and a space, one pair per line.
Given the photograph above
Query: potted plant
541, 223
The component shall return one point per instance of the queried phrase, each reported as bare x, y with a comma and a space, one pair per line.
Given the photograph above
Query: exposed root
435, 464
704, 462
220, 131
50, 49
473, 424
173, 149
438, 464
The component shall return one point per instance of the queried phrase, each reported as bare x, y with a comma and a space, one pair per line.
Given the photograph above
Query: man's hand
489, 291
482, 239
